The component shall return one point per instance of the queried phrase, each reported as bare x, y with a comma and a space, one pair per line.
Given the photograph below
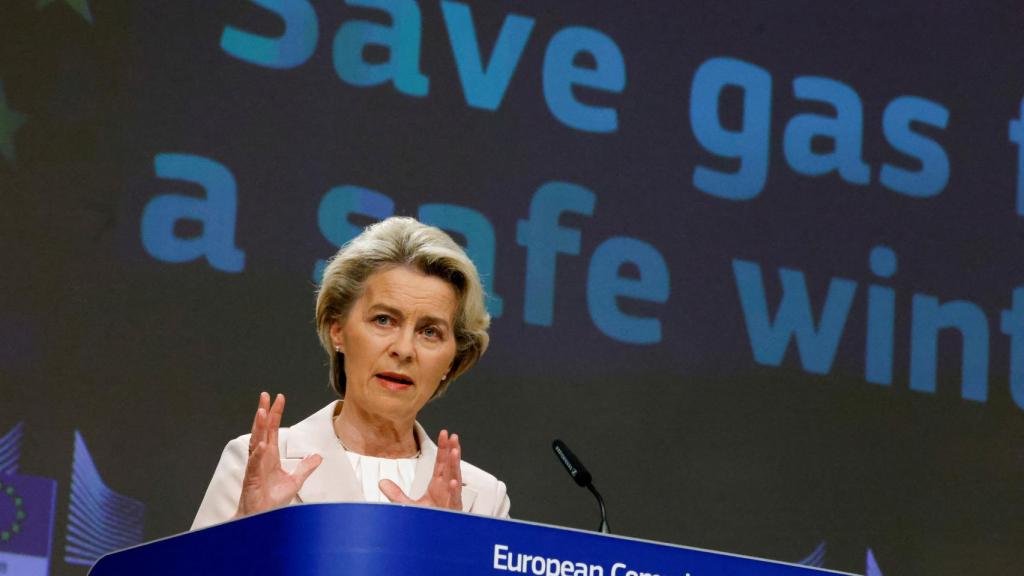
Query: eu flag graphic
27, 506
99, 519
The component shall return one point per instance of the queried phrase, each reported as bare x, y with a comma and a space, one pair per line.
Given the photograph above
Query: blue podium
389, 539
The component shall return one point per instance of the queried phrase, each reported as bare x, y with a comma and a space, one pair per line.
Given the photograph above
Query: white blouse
370, 470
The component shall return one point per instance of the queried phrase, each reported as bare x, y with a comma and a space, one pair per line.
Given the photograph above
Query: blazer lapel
425, 470
334, 480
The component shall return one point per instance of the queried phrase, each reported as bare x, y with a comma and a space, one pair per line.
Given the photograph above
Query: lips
395, 378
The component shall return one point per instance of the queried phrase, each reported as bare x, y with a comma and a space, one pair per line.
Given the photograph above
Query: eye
382, 320
432, 332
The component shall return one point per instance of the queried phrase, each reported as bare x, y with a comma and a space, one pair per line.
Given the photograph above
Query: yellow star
80, 6
10, 121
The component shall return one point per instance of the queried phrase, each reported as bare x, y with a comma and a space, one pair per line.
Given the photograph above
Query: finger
451, 468
442, 442
252, 466
453, 487
258, 406
306, 467
454, 495
274, 420
455, 465
393, 492
255, 435
251, 482
456, 458
441, 460
259, 433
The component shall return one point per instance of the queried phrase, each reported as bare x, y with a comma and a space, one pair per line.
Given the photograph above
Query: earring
337, 348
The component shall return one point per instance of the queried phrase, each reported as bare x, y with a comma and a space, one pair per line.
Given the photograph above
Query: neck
373, 435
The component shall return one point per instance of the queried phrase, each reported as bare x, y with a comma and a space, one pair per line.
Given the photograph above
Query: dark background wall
702, 424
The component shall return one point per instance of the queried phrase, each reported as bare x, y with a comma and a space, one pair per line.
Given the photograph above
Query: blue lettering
929, 317
1013, 326
484, 87
769, 341
402, 39
1017, 135
480, 242
845, 130
896, 121
543, 239
292, 48
605, 285
216, 212
881, 319
749, 144
335, 208
560, 74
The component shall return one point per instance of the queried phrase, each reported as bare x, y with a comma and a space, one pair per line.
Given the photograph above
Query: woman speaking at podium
400, 312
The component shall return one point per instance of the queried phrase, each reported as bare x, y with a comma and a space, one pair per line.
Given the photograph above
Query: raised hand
445, 488
266, 485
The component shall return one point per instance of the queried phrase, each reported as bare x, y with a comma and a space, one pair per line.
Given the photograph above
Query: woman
401, 315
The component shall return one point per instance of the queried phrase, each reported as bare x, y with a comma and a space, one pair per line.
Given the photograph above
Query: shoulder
475, 476
492, 494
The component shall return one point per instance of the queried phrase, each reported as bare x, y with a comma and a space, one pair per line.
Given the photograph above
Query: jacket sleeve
221, 501
492, 494
504, 503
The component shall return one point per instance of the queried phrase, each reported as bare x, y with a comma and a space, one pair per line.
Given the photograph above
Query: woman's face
399, 341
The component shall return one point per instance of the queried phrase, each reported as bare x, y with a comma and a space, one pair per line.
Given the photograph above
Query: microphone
580, 475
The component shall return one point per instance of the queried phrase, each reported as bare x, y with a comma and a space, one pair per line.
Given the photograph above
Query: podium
395, 540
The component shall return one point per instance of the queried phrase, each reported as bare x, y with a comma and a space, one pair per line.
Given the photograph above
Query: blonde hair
402, 241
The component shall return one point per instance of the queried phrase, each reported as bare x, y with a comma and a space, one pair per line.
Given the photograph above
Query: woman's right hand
266, 485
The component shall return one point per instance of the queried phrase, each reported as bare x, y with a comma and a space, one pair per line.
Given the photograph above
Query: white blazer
335, 480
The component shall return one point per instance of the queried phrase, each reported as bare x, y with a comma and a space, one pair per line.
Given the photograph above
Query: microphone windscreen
571, 463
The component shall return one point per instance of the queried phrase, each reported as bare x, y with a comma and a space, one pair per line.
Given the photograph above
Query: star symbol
80, 6
10, 121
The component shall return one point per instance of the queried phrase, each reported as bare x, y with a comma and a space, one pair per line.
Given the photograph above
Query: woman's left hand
445, 488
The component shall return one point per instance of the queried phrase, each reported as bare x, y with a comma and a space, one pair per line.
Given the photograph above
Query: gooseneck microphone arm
581, 476
600, 502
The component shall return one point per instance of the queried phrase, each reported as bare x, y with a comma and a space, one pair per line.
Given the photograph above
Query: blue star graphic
10, 121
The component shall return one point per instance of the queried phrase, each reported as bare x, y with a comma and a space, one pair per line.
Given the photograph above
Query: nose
402, 347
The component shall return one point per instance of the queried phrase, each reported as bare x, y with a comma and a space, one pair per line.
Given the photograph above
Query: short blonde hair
402, 241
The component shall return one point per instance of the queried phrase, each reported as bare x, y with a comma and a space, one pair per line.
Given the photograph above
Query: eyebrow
398, 313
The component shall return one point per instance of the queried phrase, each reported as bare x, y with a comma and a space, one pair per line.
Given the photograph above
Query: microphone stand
600, 501
581, 476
